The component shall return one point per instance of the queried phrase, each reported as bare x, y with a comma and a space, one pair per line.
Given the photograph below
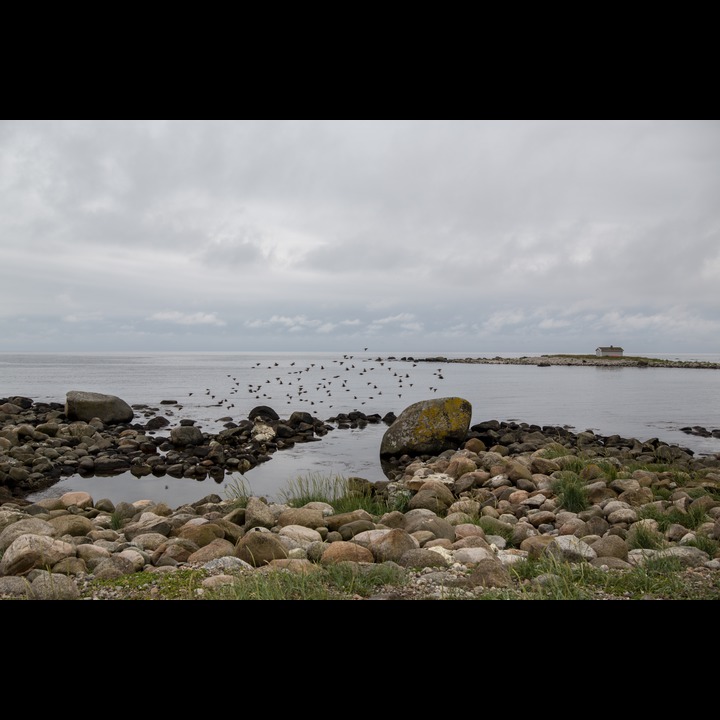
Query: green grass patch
691, 519
332, 582
657, 577
661, 493
552, 579
609, 469
571, 491
572, 463
651, 512
696, 492
643, 537
275, 585
549, 578
315, 487
179, 585
706, 544
344, 494
342, 581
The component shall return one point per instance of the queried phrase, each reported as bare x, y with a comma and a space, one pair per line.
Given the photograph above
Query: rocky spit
574, 360
503, 472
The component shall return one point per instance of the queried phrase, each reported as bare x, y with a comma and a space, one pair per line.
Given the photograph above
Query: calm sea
212, 387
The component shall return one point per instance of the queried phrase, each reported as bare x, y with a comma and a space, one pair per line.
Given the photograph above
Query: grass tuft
609, 469
116, 520
691, 518
549, 578
571, 463
238, 491
314, 487
344, 494
706, 544
571, 491
643, 537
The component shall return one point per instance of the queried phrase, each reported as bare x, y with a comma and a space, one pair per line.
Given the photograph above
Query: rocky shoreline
468, 514
40, 444
564, 360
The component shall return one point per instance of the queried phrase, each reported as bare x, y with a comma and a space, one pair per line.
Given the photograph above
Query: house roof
609, 347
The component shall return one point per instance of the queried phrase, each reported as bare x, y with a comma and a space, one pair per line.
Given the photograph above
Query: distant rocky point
549, 360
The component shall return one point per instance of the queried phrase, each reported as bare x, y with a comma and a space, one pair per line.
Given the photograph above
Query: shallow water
632, 402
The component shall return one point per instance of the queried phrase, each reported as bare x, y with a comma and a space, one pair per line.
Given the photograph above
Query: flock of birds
338, 383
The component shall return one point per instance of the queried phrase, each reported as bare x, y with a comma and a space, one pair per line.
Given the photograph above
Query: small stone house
610, 351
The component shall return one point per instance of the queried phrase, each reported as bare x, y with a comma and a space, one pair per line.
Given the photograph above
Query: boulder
80, 405
263, 412
259, 547
185, 435
10, 409
342, 551
27, 552
392, 545
428, 427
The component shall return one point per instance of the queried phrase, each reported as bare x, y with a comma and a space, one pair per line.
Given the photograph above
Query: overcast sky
402, 235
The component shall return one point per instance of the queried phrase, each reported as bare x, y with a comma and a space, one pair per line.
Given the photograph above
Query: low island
560, 359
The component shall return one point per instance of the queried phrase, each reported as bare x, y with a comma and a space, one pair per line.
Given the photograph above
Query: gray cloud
181, 318
435, 235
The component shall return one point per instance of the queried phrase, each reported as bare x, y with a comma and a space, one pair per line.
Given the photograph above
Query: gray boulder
259, 547
26, 526
54, 586
185, 435
392, 545
34, 551
428, 427
80, 405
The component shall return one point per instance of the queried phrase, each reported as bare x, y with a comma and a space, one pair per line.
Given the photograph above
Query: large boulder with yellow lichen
428, 427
